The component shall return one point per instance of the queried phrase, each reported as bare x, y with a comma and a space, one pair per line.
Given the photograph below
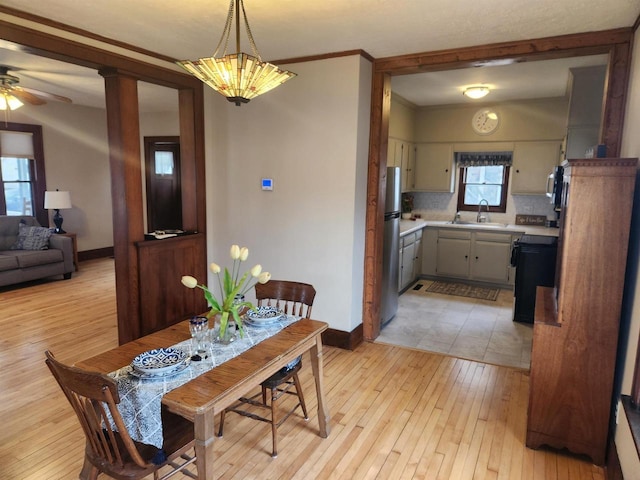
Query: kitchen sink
479, 225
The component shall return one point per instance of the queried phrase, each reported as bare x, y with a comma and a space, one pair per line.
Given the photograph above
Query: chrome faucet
480, 218
456, 218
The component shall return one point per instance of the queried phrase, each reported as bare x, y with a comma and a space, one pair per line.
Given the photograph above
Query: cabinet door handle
476, 258
466, 257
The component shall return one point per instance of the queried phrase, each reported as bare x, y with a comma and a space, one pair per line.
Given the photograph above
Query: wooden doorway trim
616, 43
121, 75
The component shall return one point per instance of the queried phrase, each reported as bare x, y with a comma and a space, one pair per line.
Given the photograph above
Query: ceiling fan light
9, 101
239, 77
476, 92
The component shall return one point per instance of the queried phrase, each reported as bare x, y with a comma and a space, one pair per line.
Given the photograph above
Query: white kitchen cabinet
408, 166
482, 256
407, 259
429, 249
434, 167
401, 153
532, 164
392, 158
491, 257
454, 248
417, 252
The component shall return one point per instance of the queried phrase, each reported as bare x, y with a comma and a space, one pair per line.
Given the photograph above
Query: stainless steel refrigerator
390, 247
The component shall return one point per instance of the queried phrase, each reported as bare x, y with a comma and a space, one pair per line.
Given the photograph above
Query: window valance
480, 159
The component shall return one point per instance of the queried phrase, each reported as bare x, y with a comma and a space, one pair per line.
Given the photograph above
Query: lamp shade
57, 200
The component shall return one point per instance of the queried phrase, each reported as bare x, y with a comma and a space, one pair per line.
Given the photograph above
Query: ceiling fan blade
49, 96
26, 96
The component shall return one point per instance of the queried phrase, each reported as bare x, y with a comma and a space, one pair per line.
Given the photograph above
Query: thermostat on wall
267, 184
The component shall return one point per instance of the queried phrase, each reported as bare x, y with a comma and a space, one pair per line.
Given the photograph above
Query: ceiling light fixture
9, 101
476, 92
239, 76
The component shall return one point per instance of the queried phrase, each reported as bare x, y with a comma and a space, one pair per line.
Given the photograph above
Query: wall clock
485, 121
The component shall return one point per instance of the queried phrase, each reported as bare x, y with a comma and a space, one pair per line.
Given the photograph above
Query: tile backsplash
442, 206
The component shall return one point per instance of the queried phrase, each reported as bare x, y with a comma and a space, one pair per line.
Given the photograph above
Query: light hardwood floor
397, 413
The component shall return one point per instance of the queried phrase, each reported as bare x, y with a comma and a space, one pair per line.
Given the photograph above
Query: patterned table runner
140, 399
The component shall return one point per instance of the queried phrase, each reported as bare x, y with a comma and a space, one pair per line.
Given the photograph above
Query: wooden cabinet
575, 333
434, 169
481, 256
532, 164
402, 154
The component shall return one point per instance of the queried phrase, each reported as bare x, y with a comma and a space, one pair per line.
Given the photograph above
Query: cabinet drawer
454, 233
418, 234
408, 239
493, 237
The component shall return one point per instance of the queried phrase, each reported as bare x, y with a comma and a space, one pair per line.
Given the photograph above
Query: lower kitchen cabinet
475, 255
410, 259
452, 257
490, 261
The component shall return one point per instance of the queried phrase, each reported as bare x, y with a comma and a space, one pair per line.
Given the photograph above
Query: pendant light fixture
238, 76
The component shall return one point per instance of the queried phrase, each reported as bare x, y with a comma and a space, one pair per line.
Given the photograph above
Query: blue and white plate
159, 361
160, 376
263, 315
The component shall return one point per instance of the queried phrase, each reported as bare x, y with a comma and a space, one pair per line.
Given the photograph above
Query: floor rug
463, 290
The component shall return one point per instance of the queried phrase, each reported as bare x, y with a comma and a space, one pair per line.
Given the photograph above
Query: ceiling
382, 28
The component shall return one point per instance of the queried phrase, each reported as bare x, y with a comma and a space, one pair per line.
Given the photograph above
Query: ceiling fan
13, 96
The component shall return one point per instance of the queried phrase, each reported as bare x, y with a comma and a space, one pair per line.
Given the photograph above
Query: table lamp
57, 200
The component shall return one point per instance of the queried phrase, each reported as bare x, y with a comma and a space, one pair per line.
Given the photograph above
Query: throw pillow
32, 238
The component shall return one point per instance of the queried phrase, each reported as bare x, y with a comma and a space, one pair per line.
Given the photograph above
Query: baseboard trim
342, 339
95, 253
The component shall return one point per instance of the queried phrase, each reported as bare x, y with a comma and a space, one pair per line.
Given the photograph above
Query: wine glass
199, 327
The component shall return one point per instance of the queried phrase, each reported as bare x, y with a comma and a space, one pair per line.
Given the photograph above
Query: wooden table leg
318, 373
204, 436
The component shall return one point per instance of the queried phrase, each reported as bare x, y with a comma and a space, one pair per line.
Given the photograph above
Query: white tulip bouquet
232, 288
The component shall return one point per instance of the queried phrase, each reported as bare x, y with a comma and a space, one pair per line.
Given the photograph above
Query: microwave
554, 187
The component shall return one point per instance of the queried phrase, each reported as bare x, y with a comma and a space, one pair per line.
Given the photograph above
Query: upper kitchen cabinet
586, 89
434, 167
402, 154
532, 164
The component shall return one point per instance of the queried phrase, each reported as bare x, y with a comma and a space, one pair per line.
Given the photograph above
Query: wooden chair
294, 298
110, 449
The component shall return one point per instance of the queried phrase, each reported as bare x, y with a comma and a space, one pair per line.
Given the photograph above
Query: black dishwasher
534, 257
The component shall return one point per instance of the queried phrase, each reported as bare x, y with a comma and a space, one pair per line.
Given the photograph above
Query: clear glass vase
226, 330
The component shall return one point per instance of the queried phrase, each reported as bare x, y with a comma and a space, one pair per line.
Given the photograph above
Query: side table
74, 241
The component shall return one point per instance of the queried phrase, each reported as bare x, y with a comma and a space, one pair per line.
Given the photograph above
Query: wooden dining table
205, 396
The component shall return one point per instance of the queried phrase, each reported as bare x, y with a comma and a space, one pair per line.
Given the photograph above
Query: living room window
17, 185
484, 180
22, 177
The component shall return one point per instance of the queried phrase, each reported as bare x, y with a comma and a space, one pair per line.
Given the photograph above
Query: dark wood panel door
163, 183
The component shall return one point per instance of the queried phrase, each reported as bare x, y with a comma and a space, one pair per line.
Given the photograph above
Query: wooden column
126, 196
376, 187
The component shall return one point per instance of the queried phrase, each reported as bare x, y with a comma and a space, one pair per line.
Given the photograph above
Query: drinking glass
199, 327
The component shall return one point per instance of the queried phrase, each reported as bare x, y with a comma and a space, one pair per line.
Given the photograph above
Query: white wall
631, 148
76, 159
311, 137
540, 119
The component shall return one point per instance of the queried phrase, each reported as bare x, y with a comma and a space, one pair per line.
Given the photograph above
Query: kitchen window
484, 178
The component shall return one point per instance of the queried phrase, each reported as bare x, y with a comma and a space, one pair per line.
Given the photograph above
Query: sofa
29, 251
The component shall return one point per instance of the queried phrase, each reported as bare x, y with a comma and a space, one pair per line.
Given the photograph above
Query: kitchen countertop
410, 226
